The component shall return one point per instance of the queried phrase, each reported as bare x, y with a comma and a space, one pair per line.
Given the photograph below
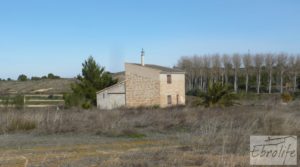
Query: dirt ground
21, 150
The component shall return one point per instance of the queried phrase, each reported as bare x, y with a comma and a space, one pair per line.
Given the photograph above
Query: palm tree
217, 94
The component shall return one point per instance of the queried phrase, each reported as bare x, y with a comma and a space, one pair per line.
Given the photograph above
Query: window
103, 95
169, 79
169, 99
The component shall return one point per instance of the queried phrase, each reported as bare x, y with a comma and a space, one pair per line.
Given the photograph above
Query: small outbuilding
112, 97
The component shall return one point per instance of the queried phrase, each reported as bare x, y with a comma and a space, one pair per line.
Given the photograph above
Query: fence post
24, 102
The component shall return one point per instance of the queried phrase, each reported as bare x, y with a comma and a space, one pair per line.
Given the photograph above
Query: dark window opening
169, 99
169, 79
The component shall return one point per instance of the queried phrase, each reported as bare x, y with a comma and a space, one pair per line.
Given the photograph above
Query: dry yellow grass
25, 87
118, 153
217, 137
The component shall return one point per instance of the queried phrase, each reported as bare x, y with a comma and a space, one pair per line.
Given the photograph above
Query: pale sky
42, 36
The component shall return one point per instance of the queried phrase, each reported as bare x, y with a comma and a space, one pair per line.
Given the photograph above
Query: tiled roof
119, 83
161, 68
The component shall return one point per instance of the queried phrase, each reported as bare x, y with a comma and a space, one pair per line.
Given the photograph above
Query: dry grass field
44, 86
215, 137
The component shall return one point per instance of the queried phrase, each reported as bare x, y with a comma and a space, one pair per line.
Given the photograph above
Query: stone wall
142, 86
176, 87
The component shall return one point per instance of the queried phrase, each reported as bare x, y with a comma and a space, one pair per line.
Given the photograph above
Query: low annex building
145, 85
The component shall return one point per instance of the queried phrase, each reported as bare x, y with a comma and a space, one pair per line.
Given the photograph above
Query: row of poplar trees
244, 72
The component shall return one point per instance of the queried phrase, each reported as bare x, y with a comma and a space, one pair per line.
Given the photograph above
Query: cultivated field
187, 136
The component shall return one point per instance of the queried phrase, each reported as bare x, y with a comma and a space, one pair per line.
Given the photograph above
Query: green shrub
193, 92
22, 77
286, 97
86, 105
52, 76
217, 95
73, 100
18, 101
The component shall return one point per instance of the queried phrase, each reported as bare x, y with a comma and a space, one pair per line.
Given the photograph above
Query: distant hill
43, 86
119, 75
46, 86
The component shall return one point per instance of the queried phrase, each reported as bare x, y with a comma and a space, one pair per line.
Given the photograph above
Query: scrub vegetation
177, 136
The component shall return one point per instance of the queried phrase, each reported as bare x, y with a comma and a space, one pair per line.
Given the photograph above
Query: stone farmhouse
145, 85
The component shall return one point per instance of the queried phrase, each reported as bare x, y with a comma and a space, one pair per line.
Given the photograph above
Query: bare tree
294, 63
247, 61
297, 71
206, 66
216, 67
201, 70
270, 61
258, 62
281, 65
236, 60
226, 66
185, 64
198, 67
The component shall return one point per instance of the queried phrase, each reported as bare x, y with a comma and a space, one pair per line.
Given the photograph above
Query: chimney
142, 57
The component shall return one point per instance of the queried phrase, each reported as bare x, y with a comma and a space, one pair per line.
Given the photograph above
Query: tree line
23, 77
260, 73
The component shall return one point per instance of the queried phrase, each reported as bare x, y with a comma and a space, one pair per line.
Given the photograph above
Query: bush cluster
286, 97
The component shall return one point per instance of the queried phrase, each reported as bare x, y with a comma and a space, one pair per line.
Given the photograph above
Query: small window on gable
169, 99
169, 79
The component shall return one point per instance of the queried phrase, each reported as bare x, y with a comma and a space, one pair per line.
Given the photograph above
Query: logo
273, 150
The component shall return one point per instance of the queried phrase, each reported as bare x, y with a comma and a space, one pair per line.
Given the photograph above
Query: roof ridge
116, 84
161, 68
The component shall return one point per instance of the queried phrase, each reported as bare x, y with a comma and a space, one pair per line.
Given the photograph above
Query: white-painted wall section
112, 97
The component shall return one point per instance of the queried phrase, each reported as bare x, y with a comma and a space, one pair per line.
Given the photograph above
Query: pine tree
93, 78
